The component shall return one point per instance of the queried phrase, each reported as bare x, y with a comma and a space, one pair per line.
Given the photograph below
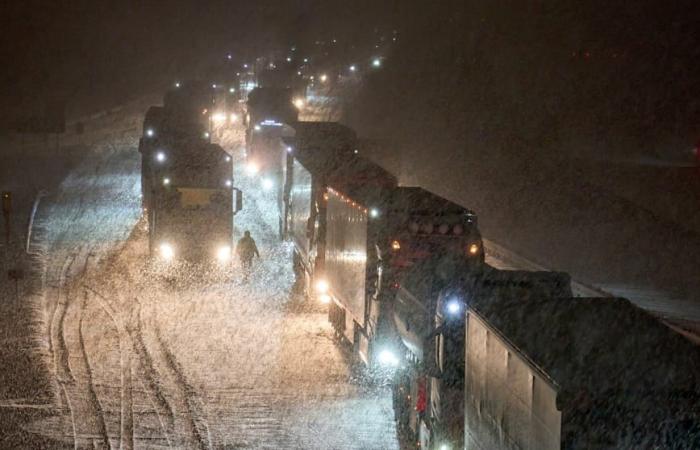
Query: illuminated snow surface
154, 357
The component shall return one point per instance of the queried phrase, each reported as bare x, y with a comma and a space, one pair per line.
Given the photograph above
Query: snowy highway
142, 357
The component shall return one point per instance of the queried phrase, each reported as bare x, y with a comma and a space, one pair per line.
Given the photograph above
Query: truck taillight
395, 245
473, 249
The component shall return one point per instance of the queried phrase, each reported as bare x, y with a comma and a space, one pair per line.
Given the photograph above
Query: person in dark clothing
246, 250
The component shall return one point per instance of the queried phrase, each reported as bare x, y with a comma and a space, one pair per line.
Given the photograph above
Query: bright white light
323, 78
453, 307
234, 117
388, 358
160, 156
306, 60
353, 68
232, 90
218, 117
374, 213
206, 135
245, 66
213, 86
177, 84
228, 183
290, 149
257, 128
167, 251
289, 59
298, 102
443, 446
228, 159
228, 56
223, 253
150, 132
252, 168
299, 72
322, 286
324, 298
376, 62
356, 151
166, 181
267, 184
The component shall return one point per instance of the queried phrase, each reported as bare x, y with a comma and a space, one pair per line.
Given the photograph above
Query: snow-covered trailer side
578, 373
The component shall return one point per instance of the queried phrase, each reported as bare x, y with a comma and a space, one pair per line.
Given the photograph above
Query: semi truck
429, 315
183, 119
268, 108
193, 204
577, 373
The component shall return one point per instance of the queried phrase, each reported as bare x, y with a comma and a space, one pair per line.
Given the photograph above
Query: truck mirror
239, 200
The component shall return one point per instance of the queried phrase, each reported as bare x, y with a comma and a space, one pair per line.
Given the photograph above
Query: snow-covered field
137, 360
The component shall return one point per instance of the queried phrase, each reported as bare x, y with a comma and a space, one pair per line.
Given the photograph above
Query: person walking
246, 250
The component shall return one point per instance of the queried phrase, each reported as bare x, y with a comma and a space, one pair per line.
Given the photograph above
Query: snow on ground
142, 359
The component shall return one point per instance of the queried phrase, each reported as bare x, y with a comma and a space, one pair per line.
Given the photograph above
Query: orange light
473, 249
395, 245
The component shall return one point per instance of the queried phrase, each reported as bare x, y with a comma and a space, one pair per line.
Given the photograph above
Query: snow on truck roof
596, 345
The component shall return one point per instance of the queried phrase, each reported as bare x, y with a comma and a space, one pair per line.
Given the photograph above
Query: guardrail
32, 214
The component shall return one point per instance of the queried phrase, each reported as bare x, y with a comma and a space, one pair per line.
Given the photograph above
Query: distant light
257, 128
228, 158
160, 156
324, 298
473, 249
234, 117
267, 184
150, 132
353, 68
166, 181
252, 168
395, 245
245, 66
298, 102
454, 306
289, 149
299, 72
213, 86
374, 213
177, 84
289, 59
356, 151
218, 117
232, 90
206, 135
323, 78
306, 60
228, 183
376, 62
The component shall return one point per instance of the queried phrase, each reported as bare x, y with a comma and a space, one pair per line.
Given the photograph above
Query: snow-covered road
204, 360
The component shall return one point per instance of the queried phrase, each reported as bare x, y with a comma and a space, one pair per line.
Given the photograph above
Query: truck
183, 118
428, 387
268, 108
193, 204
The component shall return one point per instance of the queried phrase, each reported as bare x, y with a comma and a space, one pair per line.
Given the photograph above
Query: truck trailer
429, 316
577, 373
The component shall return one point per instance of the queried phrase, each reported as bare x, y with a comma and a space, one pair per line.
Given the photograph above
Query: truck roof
595, 345
417, 200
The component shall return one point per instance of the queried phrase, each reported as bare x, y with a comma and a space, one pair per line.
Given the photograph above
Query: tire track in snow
187, 414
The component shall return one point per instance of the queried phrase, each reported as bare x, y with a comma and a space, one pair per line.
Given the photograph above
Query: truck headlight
267, 184
322, 286
167, 251
251, 168
387, 358
223, 253
298, 102
453, 307
218, 118
473, 249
